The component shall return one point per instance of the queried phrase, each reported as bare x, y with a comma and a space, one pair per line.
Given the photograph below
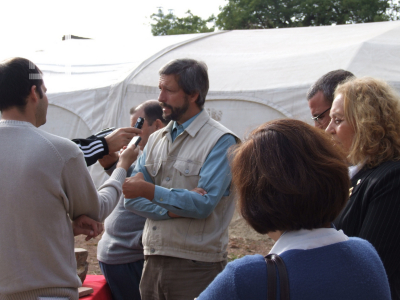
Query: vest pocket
187, 174
187, 167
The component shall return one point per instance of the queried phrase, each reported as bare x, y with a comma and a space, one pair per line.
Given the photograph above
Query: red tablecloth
101, 290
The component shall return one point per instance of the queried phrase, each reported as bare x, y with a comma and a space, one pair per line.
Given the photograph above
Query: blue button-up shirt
215, 179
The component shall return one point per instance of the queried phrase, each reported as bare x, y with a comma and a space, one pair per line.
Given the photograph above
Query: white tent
255, 75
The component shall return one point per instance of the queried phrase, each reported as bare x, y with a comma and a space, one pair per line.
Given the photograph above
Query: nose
330, 128
161, 96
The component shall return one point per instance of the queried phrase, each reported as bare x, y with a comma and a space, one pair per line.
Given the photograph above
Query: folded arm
215, 178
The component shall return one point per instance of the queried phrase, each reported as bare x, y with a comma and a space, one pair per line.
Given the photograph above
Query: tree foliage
260, 14
393, 12
257, 14
253, 14
169, 24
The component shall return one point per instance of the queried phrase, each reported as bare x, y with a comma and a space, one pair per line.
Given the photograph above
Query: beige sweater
44, 183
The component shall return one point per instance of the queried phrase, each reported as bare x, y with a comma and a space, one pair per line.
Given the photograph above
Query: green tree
163, 22
170, 24
393, 12
252, 14
258, 14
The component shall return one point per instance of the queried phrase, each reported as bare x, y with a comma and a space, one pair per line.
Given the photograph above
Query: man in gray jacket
120, 250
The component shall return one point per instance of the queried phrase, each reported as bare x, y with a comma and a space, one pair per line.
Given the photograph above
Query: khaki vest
177, 165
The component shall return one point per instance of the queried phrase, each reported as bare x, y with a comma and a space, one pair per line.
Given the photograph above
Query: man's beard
176, 112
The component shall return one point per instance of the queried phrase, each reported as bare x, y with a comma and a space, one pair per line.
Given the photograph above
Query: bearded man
186, 232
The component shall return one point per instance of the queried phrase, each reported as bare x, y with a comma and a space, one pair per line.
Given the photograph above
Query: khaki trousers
171, 278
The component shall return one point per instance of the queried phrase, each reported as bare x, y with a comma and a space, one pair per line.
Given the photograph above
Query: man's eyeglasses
319, 117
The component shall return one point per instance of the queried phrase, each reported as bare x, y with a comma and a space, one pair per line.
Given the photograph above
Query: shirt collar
193, 125
15, 122
185, 125
308, 239
353, 170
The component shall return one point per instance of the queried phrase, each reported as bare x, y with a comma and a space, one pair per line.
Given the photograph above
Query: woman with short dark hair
366, 124
292, 183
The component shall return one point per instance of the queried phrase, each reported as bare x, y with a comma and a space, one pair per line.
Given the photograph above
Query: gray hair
328, 83
192, 77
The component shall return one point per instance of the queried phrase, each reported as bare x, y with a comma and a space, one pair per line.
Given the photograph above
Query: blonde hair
372, 108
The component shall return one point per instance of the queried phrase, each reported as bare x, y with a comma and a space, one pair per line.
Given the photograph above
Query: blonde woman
366, 124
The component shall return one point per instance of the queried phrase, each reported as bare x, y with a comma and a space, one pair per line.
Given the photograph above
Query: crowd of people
328, 194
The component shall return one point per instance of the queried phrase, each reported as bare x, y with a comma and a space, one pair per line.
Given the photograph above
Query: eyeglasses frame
315, 119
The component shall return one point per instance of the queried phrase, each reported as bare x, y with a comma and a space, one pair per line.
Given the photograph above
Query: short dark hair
328, 83
191, 75
17, 76
289, 176
152, 111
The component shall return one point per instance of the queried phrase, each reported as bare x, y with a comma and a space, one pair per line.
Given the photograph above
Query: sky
30, 25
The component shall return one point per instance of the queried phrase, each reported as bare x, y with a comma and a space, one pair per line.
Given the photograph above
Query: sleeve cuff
163, 213
161, 195
105, 145
119, 174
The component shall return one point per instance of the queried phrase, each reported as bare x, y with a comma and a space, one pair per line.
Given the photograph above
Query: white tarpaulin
255, 75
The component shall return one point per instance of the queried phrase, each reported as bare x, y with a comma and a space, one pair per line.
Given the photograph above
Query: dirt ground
242, 241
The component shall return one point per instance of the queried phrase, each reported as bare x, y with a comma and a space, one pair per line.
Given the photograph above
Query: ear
33, 95
193, 97
158, 124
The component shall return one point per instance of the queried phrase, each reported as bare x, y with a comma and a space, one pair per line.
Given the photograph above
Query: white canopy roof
255, 75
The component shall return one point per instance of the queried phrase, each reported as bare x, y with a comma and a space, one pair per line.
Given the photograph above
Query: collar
353, 170
308, 239
15, 122
191, 126
186, 124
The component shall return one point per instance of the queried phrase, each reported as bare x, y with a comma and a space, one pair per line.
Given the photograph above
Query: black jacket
94, 147
373, 213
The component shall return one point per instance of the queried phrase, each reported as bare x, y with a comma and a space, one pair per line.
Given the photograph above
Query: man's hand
127, 156
87, 226
108, 160
199, 191
120, 138
136, 186
196, 190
